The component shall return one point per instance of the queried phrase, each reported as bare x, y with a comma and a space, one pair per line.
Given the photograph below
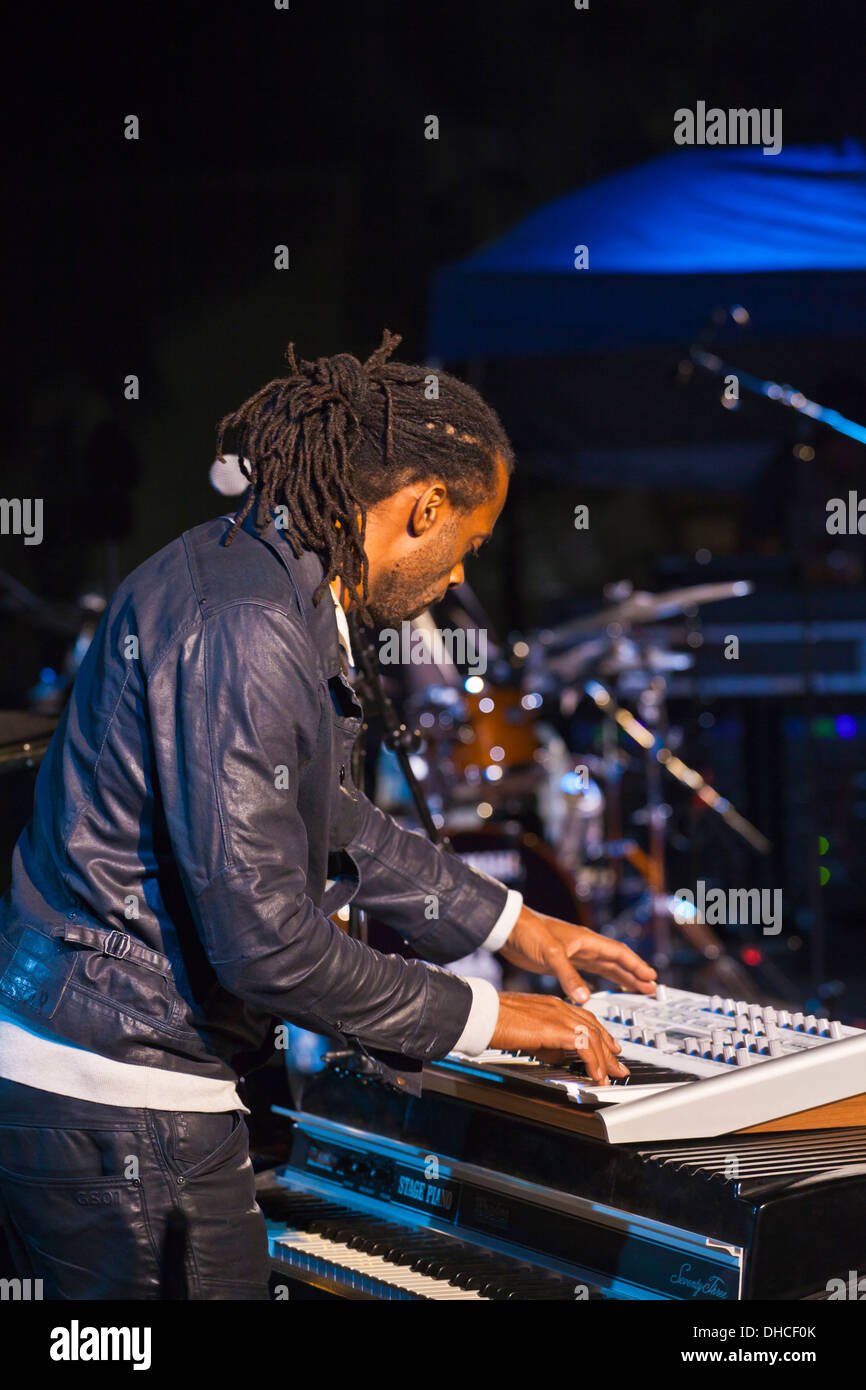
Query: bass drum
498, 730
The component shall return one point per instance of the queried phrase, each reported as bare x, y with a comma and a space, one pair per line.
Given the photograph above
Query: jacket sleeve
235, 711
444, 908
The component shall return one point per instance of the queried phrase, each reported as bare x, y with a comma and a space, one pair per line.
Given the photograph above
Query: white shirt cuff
505, 922
482, 1020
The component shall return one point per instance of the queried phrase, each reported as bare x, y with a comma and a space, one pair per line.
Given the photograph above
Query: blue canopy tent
784, 234
581, 363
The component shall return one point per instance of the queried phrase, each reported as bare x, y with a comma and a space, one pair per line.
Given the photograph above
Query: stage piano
730, 1165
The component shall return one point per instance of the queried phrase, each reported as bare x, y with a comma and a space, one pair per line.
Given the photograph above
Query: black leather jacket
168, 897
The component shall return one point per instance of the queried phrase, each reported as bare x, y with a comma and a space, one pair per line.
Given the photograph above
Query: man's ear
428, 508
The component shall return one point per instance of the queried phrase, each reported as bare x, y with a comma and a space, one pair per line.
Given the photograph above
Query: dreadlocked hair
337, 435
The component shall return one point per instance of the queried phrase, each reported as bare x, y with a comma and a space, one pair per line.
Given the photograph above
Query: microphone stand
399, 739
700, 355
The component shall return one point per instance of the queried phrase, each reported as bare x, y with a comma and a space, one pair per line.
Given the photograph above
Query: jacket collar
306, 572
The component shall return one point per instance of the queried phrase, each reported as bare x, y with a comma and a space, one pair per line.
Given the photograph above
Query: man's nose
456, 576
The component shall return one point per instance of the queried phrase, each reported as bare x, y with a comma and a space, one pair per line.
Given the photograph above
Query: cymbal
643, 607
627, 656
609, 657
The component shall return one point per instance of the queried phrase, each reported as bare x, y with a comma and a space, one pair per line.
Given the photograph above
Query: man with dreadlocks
195, 828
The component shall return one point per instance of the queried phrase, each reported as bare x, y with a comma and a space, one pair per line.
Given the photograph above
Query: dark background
306, 127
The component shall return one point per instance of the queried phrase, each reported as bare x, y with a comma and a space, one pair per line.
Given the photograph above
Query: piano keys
356, 1255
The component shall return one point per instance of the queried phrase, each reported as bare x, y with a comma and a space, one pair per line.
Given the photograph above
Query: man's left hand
546, 946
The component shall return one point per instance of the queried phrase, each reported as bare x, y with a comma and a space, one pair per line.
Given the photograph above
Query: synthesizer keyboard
701, 1065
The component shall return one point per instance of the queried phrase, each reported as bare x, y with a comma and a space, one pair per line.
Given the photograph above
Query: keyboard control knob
730, 1007
718, 1037
715, 1004
797, 1021
729, 1052
661, 994
660, 1040
835, 1029
810, 1023
771, 1029
743, 1058
742, 1022
775, 1047
769, 1015
784, 1019
690, 1045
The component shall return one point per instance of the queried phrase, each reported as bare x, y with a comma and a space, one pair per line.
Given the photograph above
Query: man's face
416, 543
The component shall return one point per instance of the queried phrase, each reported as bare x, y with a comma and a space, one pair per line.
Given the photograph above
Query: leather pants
103, 1202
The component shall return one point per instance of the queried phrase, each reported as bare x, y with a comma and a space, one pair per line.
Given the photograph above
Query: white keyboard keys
344, 1257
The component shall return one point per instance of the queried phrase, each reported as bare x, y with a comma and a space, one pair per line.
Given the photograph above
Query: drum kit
512, 798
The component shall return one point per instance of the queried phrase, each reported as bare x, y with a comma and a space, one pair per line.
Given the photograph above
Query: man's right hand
542, 1024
